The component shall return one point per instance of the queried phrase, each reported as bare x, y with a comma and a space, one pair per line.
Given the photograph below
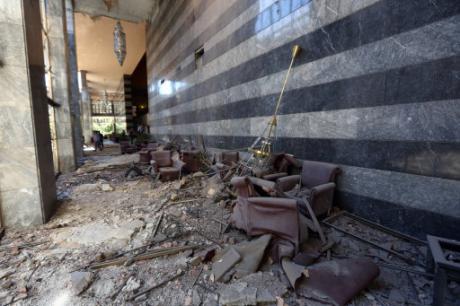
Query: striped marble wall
376, 89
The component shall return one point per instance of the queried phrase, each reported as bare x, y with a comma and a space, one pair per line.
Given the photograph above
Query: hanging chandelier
119, 43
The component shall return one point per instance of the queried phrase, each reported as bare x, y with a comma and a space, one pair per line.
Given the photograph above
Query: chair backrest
162, 158
283, 162
317, 173
228, 157
244, 187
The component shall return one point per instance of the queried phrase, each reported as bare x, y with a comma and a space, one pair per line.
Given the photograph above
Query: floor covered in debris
118, 240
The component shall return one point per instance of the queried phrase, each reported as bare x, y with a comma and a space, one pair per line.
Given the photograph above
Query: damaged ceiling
95, 54
135, 11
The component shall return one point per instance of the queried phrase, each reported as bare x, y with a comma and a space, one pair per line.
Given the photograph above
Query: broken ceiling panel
129, 10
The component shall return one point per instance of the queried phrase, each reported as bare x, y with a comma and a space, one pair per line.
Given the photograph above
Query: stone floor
104, 215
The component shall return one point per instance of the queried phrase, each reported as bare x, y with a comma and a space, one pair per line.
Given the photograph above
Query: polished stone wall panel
430, 43
409, 84
27, 190
376, 90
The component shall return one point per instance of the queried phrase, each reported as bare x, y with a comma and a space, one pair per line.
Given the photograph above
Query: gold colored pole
273, 123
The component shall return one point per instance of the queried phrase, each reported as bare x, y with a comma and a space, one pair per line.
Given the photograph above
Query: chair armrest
274, 176
154, 165
239, 181
267, 186
288, 182
320, 189
178, 164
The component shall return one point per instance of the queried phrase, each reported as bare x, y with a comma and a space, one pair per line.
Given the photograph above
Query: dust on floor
104, 217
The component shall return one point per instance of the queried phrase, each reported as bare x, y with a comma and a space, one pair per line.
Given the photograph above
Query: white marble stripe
435, 41
212, 13
417, 191
425, 121
303, 21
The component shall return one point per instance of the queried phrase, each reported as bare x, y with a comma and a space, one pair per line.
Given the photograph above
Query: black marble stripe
379, 21
412, 221
266, 18
234, 11
433, 159
410, 84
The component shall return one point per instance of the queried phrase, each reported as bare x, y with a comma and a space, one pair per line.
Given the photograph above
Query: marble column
27, 184
85, 108
59, 62
73, 82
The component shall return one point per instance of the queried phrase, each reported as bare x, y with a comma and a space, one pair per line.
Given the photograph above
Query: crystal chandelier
119, 43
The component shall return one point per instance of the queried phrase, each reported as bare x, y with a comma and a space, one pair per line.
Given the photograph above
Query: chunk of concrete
107, 187
252, 253
83, 188
230, 258
80, 281
265, 297
238, 294
97, 233
131, 285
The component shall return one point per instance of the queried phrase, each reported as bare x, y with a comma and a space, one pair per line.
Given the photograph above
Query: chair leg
440, 284
315, 221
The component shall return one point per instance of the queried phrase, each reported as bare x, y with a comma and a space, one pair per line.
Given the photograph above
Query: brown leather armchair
257, 214
192, 160
163, 163
127, 147
315, 184
145, 154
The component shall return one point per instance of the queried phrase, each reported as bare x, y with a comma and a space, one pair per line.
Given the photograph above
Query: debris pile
121, 239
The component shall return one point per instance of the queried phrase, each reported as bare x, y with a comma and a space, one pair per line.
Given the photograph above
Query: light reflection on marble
431, 42
287, 29
210, 15
404, 122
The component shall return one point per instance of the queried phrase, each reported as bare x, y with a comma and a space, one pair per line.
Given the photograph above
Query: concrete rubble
139, 241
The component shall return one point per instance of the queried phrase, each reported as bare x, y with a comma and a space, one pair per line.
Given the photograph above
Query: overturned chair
257, 213
168, 168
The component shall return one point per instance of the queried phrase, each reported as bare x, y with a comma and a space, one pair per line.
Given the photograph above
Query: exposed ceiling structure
130, 10
95, 54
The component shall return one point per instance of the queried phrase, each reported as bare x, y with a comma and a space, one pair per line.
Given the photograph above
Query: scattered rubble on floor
136, 241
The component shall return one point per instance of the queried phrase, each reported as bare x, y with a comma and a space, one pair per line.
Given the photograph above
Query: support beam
73, 82
27, 185
85, 108
60, 55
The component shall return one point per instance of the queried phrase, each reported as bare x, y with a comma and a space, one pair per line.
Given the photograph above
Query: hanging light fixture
119, 43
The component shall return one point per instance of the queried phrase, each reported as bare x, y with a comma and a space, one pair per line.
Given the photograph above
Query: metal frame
442, 267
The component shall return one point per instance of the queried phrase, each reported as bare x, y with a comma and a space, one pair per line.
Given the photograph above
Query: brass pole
273, 122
